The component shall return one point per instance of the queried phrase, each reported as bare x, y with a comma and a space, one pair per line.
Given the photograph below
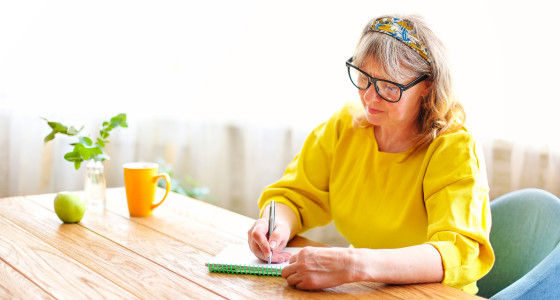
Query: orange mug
140, 181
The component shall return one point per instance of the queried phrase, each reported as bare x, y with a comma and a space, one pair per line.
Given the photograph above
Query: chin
373, 120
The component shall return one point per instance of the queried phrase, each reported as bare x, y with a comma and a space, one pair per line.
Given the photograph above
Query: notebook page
242, 255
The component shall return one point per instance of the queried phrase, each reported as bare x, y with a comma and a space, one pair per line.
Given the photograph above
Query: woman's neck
394, 140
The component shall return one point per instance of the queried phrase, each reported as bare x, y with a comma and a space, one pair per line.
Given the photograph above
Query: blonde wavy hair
440, 111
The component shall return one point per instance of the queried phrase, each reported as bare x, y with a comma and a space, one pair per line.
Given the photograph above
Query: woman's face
381, 113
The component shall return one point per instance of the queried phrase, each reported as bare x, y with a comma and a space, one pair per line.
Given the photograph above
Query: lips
373, 111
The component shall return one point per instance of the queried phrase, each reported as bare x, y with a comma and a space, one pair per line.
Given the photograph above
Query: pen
271, 215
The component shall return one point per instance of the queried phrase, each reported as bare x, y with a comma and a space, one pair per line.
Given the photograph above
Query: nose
371, 95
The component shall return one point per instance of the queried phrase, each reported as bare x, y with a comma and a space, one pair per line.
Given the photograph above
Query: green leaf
73, 131
60, 128
57, 127
96, 150
88, 153
85, 140
119, 120
84, 149
73, 156
49, 137
101, 157
100, 142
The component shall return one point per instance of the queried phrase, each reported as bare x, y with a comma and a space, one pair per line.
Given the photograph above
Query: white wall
264, 61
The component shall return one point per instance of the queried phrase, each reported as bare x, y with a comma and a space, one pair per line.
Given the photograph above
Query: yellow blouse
382, 200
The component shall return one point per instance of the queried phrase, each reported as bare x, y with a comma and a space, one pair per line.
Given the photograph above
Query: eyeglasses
388, 90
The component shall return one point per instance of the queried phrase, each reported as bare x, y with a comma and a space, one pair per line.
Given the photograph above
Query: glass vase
94, 187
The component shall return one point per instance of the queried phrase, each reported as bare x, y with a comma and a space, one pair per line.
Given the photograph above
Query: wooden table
111, 255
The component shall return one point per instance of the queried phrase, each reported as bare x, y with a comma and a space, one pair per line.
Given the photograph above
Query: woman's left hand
315, 268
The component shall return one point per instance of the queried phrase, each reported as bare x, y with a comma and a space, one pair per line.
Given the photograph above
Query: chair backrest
525, 229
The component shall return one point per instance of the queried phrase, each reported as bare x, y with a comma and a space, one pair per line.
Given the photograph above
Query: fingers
293, 259
290, 273
289, 270
280, 257
310, 270
277, 241
258, 242
263, 247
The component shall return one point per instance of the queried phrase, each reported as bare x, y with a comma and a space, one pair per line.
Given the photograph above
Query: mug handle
167, 187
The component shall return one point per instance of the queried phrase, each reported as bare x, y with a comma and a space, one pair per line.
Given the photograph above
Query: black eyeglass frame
373, 80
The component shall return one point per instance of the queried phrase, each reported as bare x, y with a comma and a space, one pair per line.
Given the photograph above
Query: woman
401, 176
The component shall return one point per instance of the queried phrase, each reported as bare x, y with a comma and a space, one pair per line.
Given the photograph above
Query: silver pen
271, 215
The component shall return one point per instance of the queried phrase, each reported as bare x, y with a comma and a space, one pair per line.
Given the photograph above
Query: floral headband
403, 32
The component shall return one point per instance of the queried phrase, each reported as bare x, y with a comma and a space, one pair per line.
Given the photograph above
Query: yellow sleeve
457, 203
305, 184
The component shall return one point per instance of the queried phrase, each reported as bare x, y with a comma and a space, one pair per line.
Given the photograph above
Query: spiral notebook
238, 259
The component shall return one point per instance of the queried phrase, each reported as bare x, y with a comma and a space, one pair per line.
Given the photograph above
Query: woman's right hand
261, 246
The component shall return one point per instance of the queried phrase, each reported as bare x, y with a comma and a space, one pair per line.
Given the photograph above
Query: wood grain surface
112, 255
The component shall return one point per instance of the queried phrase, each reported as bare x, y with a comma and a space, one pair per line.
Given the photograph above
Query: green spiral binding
245, 269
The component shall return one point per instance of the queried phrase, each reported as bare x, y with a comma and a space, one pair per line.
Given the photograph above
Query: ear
427, 88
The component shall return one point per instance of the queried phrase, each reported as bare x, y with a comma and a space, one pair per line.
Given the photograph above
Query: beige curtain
236, 161
512, 166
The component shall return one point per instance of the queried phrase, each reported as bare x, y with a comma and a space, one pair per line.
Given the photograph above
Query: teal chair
525, 236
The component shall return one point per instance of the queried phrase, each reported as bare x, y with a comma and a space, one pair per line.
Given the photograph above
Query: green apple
69, 207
